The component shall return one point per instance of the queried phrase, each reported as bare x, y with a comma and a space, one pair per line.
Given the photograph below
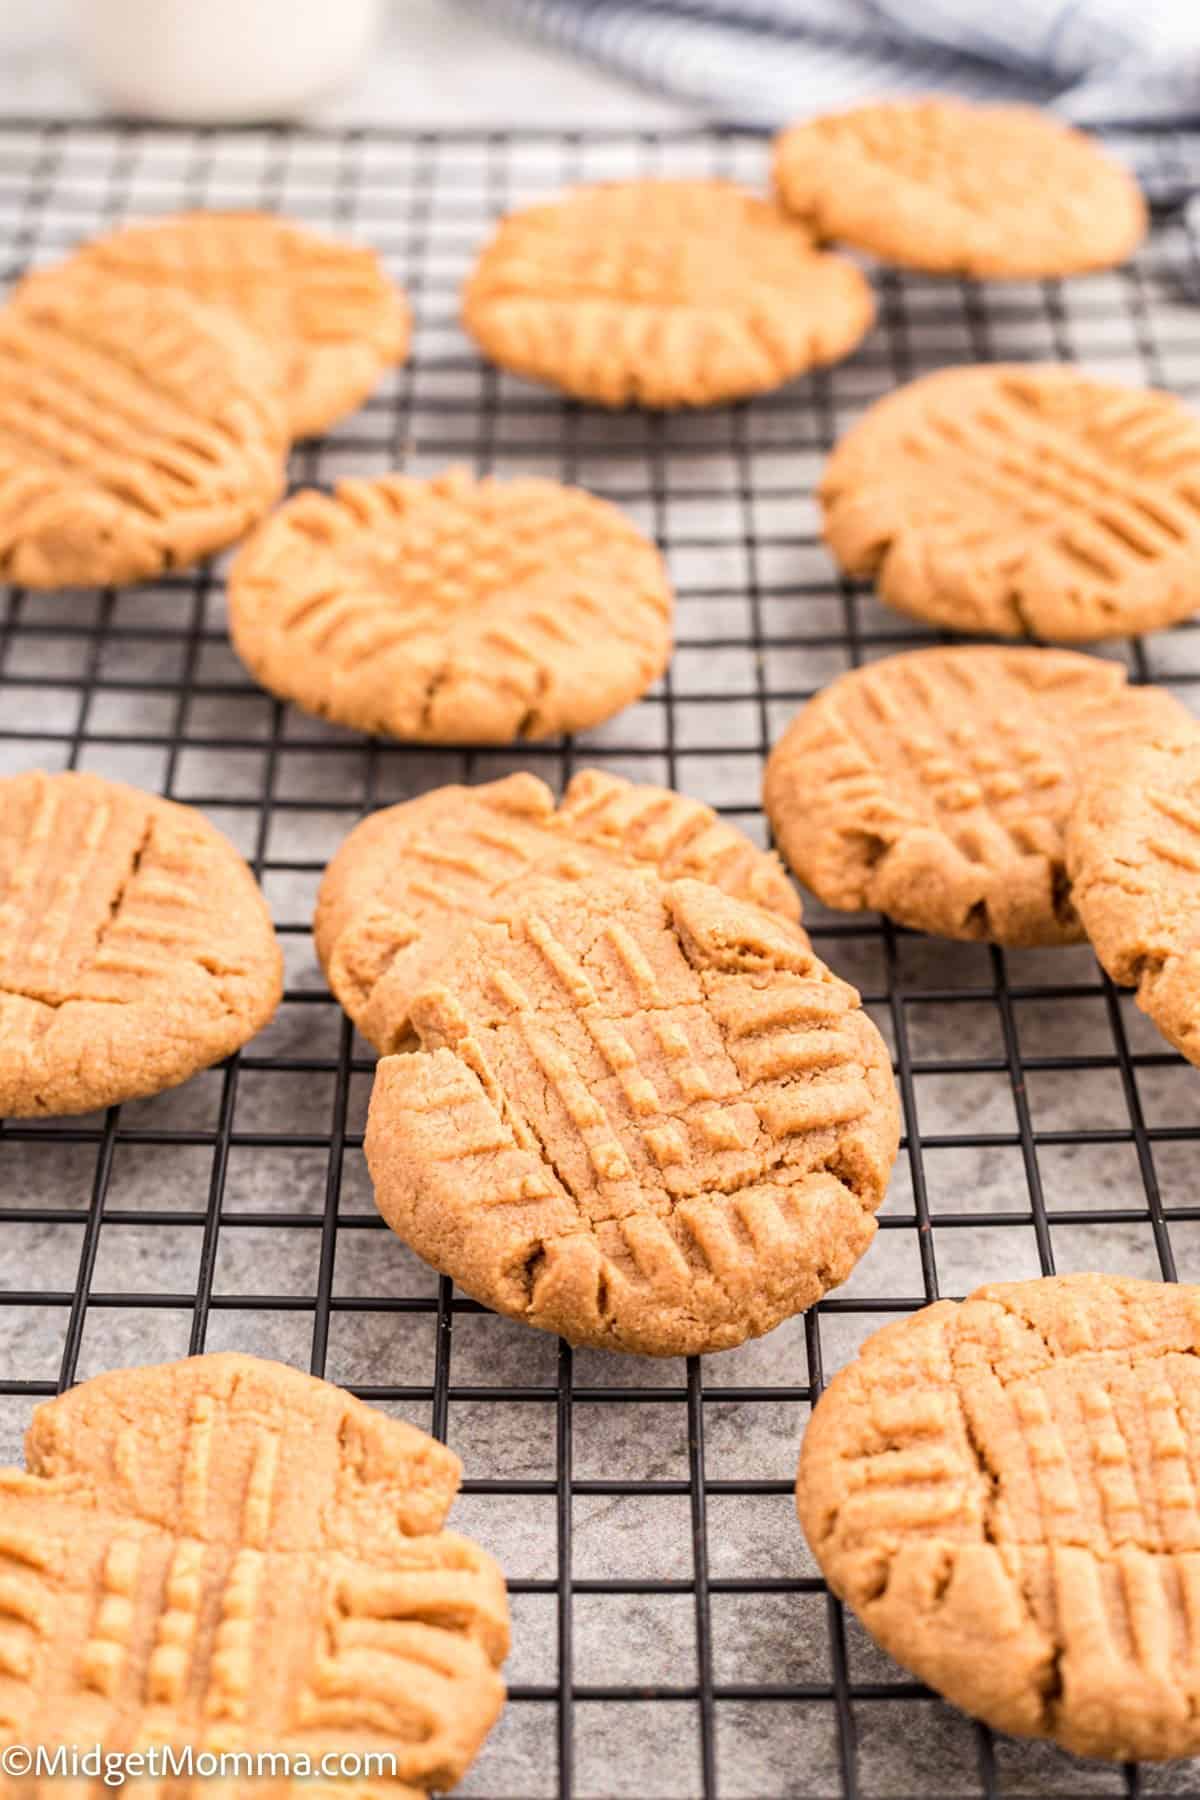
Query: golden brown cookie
139, 430
1022, 500
1005, 1492
326, 311
225, 1555
1133, 852
452, 610
662, 294
408, 880
644, 1116
135, 946
988, 191
936, 786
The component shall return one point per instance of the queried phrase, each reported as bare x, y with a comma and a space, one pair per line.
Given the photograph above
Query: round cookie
1004, 1492
986, 191
223, 1554
936, 786
644, 1116
1133, 851
326, 311
452, 610
1022, 500
141, 430
661, 293
409, 879
135, 946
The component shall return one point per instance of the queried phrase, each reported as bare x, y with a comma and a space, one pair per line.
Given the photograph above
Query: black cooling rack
672, 1636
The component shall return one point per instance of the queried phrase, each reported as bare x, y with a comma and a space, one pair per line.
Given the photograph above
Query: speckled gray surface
1023, 1160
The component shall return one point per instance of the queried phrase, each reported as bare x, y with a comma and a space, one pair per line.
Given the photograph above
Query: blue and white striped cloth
763, 62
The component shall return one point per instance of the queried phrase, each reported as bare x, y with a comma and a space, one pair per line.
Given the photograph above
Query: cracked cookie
936, 786
957, 189
226, 1555
644, 1116
410, 879
325, 312
1005, 1492
142, 430
662, 293
452, 610
1022, 500
135, 946
1133, 851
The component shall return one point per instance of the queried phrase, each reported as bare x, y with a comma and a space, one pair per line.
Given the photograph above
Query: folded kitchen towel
1105, 63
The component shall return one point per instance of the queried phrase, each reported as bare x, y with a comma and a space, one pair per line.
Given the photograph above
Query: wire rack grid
672, 1636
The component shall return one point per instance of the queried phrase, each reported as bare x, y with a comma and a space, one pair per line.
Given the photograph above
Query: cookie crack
1148, 967
19, 993
983, 1467
130, 875
54, 1002
535, 1257
434, 684
530, 721
544, 1150
1022, 617
1049, 1686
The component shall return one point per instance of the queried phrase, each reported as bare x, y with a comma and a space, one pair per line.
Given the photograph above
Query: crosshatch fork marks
662, 293
322, 308
1134, 853
452, 609
138, 432
1022, 500
66, 883
135, 946
233, 1555
645, 1115
938, 184
936, 786
1022, 1469
409, 879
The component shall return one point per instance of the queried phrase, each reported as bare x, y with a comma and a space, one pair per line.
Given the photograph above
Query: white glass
220, 61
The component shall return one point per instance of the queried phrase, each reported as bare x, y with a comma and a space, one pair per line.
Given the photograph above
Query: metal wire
1046, 1123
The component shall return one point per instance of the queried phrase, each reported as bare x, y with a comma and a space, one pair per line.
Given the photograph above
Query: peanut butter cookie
452, 610
326, 311
225, 1555
988, 191
1005, 1492
662, 294
135, 947
1022, 500
141, 430
411, 878
644, 1116
1133, 851
936, 786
